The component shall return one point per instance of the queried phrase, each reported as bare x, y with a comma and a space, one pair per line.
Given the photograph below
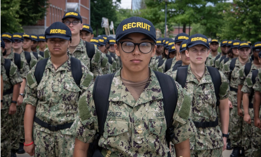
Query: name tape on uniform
57, 31
17, 36
199, 39
71, 13
136, 25
7, 35
183, 37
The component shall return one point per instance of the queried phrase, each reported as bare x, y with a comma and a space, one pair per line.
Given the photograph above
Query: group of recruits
66, 106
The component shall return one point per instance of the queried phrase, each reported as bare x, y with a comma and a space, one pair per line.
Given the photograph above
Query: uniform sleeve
87, 78
242, 76
248, 84
46, 53
15, 77
172, 74
33, 61
162, 67
226, 69
31, 89
96, 63
181, 122
24, 67
86, 119
257, 85
224, 87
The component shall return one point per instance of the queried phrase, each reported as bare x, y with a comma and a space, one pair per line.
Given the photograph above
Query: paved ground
226, 153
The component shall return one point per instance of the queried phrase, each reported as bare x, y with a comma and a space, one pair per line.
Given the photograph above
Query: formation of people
68, 93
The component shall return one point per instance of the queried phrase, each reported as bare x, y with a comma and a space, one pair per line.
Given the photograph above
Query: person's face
42, 44
185, 59
166, 51
17, 44
102, 48
34, 45
235, 51
86, 36
177, 46
222, 49
244, 53
8, 44
214, 47
259, 60
27, 43
160, 49
2, 50
255, 53
74, 24
135, 61
172, 54
58, 47
197, 54
112, 49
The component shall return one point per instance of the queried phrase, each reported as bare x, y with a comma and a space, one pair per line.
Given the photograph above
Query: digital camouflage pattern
106, 66
235, 121
134, 128
174, 60
117, 60
206, 153
154, 63
33, 59
204, 108
210, 60
8, 122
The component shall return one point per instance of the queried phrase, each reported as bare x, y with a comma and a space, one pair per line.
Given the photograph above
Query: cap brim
71, 16
199, 43
7, 39
136, 31
159, 44
243, 47
87, 30
213, 42
17, 39
57, 36
179, 41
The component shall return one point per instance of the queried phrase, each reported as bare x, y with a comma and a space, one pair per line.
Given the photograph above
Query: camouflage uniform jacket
204, 108
172, 64
13, 79
210, 60
222, 63
56, 96
106, 66
153, 63
33, 59
24, 65
116, 60
257, 87
242, 75
134, 128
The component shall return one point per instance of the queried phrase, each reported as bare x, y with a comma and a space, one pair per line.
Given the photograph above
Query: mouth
199, 58
136, 61
56, 49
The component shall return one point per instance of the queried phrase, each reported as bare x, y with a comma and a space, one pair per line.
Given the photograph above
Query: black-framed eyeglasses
74, 22
144, 47
257, 50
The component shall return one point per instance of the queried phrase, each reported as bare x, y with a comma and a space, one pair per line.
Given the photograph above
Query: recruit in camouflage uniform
211, 56
33, 60
148, 139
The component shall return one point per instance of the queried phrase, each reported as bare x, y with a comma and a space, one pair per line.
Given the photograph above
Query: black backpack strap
168, 64
36, 55
222, 58
216, 58
160, 60
177, 64
109, 58
41, 53
27, 57
7, 66
17, 60
247, 68
226, 59
182, 75
76, 68
254, 75
232, 64
170, 98
90, 49
101, 93
113, 56
39, 70
216, 79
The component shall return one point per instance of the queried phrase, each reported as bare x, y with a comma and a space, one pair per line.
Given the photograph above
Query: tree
9, 17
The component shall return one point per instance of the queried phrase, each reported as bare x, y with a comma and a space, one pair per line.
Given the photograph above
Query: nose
136, 50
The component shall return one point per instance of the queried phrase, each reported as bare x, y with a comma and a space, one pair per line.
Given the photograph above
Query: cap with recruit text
95, 40
214, 41
136, 25
181, 37
229, 43
34, 37
235, 44
101, 41
27, 36
223, 43
111, 40
257, 45
41, 37
159, 41
87, 28
172, 48
2, 43
244, 44
183, 45
58, 30
7, 36
72, 14
197, 39
17, 37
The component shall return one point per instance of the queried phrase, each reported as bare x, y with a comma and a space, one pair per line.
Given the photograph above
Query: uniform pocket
158, 126
115, 127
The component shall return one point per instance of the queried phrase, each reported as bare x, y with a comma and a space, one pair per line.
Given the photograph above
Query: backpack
36, 55
168, 64
177, 64
17, 60
216, 58
247, 68
27, 57
109, 58
90, 49
76, 68
222, 58
41, 53
101, 92
7, 66
226, 60
161, 61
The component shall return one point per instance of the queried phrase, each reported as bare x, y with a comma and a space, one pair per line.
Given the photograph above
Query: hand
257, 123
29, 149
20, 99
240, 112
225, 143
247, 118
230, 104
12, 109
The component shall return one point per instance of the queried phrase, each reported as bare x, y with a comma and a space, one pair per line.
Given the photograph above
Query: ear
92, 36
69, 42
81, 26
154, 51
187, 53
117, 50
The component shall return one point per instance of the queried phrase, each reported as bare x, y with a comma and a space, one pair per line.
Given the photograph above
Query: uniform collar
10, 56
238, 64
66, 66
205, 79
80, 47
119, 91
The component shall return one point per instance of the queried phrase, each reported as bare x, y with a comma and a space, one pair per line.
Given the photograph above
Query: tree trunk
184, 28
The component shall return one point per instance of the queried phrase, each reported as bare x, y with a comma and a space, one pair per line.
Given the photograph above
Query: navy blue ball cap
7, 36
58, 30
172, 48
183, 46
2, 43
41, 37
181, 37
105, 38
27, 36
235, 44
34, 37
87, 28
257, 45
136, 25
259, 54
214, 41
17, 37
159, 41
72, 14
111, 40
223, 43
101, 41
95, 40
198, 39
244, 44
229, 43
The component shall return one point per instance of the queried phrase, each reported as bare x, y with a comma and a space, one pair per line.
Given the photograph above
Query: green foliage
9, 17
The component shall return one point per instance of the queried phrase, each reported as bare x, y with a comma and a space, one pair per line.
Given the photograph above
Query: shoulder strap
168, 64
113, 56
216, 79
17, 60
90, 49
36, 55
177, 64
109, 58
41, 53
39, 70
182, 75
161, 61
222, 58
226, 59
247, 68
217, 57
232, 64
27, 57
101, 92
7, 66
254, 75
76, 68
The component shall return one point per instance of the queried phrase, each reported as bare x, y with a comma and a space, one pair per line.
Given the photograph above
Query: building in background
55, 13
